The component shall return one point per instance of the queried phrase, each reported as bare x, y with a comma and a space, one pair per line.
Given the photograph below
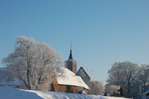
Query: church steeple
71, 63
70, 55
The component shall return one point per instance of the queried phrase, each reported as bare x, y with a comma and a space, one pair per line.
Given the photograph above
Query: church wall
65, 88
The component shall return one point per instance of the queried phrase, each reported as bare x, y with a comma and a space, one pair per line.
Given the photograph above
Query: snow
69, 78
80, 96
7, 92
13, 93
41, 94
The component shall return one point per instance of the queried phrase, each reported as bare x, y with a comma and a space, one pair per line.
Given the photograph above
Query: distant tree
96, 88
112, 90
5, 75
124, 75
33, 62
143, 76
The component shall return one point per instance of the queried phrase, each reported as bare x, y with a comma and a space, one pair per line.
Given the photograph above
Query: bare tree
33, 62
96, 88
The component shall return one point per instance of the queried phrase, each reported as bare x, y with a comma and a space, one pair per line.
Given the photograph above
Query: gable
83, 74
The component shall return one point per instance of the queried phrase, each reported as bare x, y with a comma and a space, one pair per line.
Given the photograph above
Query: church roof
70, 78
81, 69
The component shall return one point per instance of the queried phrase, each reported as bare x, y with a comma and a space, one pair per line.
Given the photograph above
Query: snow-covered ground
13, 93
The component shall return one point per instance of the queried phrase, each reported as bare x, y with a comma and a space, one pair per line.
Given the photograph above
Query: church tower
71, 63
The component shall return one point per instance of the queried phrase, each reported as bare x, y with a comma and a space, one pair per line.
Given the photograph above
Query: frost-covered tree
124, 75
143, 76
96, 88
33, 62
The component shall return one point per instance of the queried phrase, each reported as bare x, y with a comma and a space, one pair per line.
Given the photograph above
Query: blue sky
101, 31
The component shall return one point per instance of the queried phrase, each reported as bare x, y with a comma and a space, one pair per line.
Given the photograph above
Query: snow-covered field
13, 93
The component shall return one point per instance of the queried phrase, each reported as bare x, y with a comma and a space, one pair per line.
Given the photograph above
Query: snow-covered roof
70, 78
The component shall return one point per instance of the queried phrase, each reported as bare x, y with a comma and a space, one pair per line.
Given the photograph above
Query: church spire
71, 63
70, 55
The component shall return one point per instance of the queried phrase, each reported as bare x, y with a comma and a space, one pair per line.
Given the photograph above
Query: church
73, 80
71, 64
